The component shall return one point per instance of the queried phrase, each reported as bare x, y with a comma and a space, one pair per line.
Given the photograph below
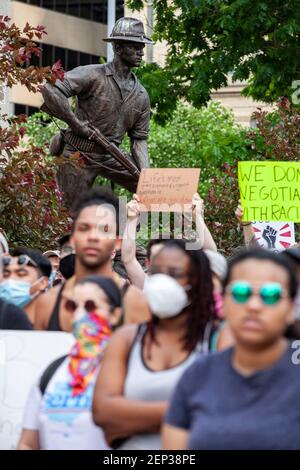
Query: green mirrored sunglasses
270, 292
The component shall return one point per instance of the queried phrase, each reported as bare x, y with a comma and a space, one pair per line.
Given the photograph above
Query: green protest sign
270, 191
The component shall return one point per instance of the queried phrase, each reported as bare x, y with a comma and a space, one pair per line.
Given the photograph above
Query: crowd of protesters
178, 349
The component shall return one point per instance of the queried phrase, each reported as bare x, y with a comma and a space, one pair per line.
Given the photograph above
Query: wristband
245, 224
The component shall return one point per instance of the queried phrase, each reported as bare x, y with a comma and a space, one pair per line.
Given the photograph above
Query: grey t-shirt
223, 409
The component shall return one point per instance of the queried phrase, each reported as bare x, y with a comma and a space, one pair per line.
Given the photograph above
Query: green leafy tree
277, 138
18, 47
208, 138
209, 41
204, 138
31, 211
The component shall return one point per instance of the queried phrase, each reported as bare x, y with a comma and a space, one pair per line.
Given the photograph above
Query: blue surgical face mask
17, 292
52, 278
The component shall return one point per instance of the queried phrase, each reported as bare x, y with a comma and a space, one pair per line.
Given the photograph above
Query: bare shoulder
48, 297
120, 343
125, 334
136, 308
135, 293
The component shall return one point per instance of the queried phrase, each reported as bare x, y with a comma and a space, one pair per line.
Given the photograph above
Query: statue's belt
101, 146
80, 143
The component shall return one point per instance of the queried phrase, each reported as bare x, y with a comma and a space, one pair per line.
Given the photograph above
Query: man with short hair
54, 258
65, 245
95, 237
25, 277
111, 99
11, 317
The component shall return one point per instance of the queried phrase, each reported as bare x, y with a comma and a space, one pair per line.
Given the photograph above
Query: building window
24, 109
49, 4
59, 53
73, 8
89, 10
50, 54
60, 6
72, 59
69, 58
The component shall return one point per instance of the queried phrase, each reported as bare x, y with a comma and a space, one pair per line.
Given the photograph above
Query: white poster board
23, 356
275, 236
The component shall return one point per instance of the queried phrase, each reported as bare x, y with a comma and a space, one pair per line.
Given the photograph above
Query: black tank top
54, 324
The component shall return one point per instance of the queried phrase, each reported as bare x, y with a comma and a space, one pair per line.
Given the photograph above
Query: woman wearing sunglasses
58, 411
245, 397
143, 363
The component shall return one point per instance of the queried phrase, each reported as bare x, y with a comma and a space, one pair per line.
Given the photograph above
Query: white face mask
165, 296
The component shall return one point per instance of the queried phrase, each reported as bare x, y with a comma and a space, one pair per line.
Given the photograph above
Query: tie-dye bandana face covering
92, 333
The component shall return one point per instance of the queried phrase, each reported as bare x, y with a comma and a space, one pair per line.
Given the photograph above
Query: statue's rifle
111, 148
97, 137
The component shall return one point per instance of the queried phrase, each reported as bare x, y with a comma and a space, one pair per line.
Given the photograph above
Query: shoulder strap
53, 324
140, 332
49, 372
204, 345
141, 328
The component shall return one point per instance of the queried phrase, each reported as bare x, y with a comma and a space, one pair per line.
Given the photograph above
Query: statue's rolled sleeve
76, 81
140, 129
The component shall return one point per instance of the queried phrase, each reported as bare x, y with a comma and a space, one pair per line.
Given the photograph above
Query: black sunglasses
71, 305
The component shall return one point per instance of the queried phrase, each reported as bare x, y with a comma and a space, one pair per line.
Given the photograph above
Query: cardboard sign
164, 189
24, 355
275, 236
270, 191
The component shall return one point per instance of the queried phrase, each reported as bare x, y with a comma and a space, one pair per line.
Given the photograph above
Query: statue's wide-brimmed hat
128, 29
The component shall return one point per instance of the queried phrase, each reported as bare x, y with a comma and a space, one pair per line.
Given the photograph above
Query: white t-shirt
64, 422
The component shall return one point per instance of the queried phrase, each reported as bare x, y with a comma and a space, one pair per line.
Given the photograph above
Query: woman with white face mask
147, 360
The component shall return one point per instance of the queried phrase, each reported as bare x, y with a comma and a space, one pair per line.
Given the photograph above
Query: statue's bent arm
139, 150
58, 105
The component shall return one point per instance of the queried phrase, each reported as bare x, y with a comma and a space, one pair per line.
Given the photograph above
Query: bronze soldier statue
110, 102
